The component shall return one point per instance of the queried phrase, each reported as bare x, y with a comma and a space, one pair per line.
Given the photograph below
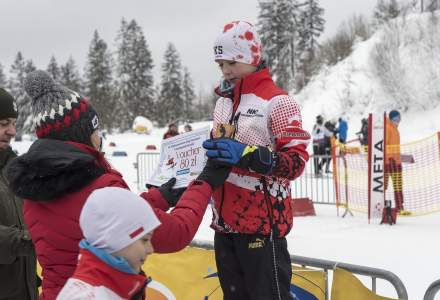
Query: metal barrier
318, 187
315, 183
356, 269
146, 163
432, 290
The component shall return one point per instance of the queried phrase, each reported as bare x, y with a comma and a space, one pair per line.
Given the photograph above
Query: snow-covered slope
408, 81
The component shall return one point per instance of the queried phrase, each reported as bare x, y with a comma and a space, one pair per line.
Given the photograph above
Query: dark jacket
17, 254
56, 178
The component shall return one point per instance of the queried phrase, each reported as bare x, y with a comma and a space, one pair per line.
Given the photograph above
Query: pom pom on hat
239, 42
58, 112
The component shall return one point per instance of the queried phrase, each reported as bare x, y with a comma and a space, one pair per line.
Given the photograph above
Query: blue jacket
342, 131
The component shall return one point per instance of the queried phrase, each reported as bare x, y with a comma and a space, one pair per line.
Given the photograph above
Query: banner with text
376, 165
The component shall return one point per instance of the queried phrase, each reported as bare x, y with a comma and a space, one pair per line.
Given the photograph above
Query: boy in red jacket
262, 138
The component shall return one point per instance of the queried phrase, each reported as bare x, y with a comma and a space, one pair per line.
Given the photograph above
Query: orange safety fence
419, 180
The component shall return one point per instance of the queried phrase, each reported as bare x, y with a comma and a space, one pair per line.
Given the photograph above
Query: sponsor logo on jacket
252, 112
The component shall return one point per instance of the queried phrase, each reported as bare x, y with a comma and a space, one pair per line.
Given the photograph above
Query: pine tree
70, 76
433, 5
267, 30
99, 85
53, 69
386, 10
3, 81
310, 27
19, 70
134, 72
277, 29
188, 95
170, 102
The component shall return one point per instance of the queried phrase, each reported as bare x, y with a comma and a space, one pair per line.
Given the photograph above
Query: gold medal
224, 130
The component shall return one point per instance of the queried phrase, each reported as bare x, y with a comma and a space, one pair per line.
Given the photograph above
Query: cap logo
15, 106
136, 232
95, 122
218, 50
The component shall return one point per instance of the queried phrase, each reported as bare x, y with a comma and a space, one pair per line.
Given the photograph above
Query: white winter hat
113, 218
239, 41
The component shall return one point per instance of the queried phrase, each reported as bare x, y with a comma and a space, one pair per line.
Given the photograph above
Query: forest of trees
120, 83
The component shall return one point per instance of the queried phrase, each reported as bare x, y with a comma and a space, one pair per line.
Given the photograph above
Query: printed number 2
218, 50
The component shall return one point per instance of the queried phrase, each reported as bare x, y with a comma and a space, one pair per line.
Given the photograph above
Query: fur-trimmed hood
53, 168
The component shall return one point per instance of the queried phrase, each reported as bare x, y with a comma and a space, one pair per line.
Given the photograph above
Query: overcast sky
42, 28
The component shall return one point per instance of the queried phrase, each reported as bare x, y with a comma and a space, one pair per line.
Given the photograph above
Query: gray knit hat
58, 112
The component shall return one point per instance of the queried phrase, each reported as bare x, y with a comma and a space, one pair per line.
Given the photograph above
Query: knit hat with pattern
58, 112
239, 42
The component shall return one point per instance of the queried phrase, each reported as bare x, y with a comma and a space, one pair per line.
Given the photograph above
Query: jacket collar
98, 155
95, 272
248, 83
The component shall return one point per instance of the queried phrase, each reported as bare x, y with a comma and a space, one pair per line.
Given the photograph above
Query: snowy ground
410, 249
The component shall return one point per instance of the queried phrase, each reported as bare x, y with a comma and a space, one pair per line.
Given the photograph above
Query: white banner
376, 155
181, 156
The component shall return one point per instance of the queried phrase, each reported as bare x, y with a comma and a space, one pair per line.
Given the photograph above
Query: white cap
113, 218
239, 41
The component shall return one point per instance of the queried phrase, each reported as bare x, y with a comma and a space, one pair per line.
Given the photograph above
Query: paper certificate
181, 156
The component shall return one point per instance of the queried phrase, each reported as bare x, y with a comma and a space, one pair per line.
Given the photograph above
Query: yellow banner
192, 274
347, 286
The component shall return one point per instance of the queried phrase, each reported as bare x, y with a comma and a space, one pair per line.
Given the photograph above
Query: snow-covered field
410, 249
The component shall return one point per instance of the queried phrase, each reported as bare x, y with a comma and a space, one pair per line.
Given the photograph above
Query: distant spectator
393, 164
363, 133
172, 131
329, 132
318, 143
187, 128
342, 130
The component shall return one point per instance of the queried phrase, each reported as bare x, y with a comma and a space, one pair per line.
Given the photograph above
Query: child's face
136, 253
233, 71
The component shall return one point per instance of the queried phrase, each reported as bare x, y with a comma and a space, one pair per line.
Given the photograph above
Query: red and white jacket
94, 279
264, 115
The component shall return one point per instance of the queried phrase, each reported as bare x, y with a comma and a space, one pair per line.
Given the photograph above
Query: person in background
18, 277
393, 164
318, 139
342, 130
329, 133
172, 131
265, 143
65, 165
187, 128
363, 133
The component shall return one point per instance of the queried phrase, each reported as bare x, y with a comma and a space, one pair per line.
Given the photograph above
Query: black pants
245, 265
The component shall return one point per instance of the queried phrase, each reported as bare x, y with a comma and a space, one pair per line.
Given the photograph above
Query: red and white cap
113, 218
239, 42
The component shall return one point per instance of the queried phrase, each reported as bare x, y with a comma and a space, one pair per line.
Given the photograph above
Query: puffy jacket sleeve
13, 244
155, 199
290, 138
180, 225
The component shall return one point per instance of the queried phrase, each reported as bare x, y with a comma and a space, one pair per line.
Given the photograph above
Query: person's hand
168, 193
230, 152
215, 175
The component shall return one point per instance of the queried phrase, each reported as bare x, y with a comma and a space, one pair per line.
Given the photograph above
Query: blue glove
230, 152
